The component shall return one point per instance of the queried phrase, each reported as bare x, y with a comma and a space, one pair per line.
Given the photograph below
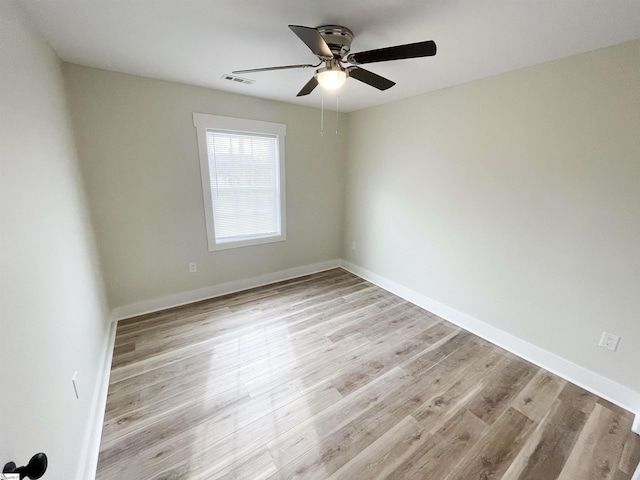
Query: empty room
320, 240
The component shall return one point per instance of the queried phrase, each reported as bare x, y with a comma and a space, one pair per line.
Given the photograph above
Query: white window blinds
245, 185
242, 165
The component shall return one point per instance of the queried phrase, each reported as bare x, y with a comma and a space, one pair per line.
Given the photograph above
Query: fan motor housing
338, 39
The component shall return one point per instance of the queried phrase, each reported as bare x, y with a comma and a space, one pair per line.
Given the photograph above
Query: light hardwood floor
330, 377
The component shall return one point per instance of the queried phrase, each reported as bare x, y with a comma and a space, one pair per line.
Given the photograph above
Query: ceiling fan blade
411, 50
268, 69
312, 38
308, 88
370, 78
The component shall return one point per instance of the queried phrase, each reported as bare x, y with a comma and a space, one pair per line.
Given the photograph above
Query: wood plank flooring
330, 377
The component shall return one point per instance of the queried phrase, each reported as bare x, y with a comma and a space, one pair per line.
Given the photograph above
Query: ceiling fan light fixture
332, 45
332, 77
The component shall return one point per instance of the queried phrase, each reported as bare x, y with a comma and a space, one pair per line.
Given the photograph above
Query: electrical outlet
193, 267
353, 245
609, 340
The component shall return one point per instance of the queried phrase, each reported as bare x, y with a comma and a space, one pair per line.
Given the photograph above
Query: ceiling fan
332, 44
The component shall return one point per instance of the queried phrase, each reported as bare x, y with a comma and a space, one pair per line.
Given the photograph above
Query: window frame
204, 122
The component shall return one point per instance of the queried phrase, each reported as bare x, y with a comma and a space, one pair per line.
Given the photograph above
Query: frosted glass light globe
331, 79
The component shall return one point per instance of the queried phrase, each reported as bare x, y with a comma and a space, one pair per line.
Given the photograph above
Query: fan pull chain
337, 111
322, 116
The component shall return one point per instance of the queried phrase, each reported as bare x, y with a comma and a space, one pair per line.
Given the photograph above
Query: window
242, 168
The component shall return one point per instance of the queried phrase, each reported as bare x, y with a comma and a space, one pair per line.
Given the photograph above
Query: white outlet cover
609, 341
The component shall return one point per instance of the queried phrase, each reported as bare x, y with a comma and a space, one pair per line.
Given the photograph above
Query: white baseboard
89, 459
608, 389
183, 298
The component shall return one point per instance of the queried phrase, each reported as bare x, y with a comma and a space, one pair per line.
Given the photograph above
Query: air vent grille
233, 78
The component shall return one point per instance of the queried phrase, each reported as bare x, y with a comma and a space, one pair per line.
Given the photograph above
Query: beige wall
138, 148
514, 199
53, 318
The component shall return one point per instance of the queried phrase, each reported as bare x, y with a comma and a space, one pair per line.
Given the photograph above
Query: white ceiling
197, 41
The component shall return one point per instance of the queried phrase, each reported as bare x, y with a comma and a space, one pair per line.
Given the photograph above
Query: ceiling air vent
233, 78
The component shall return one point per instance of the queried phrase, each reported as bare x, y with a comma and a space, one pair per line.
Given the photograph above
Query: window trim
204, 122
